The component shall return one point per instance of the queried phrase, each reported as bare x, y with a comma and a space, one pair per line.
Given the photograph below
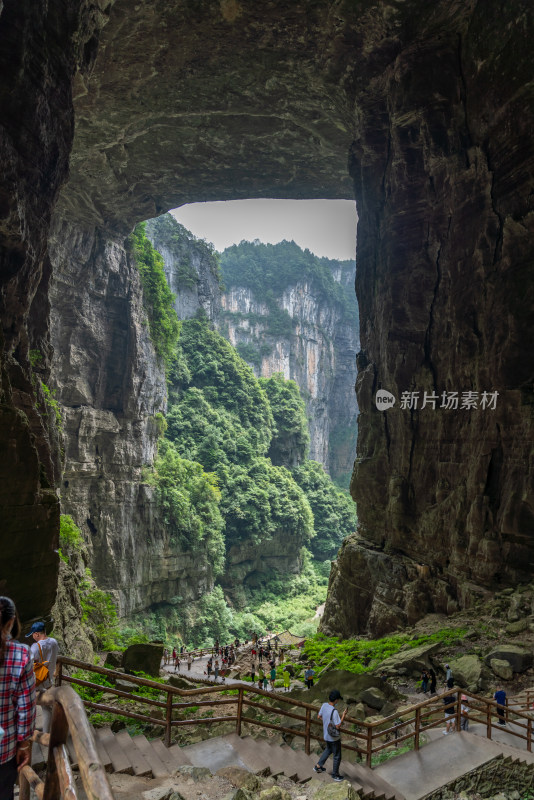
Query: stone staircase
135, 755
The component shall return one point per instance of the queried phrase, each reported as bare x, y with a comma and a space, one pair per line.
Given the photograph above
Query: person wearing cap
49, 648
329, 714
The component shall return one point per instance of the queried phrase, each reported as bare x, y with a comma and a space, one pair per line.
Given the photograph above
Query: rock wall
319, 354
42, 45
111, 387
443, 169
190, 265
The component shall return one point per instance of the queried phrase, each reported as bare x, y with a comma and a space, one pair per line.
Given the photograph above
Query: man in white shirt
49, 649
328, 714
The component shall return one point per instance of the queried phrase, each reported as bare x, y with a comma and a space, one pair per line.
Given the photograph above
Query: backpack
332, 730
41, 669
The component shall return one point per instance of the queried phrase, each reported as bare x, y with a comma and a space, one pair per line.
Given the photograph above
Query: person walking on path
44, 650
464, 709
17, 699
424, 681
500, 698
287, 680
261, 676
209, 667
273, 678
450, 713
189, 662
448, 677
332, 722
216, 670
433, 680
309, 676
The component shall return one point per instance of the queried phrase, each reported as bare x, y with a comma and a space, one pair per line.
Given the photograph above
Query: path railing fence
365, 738
68, 718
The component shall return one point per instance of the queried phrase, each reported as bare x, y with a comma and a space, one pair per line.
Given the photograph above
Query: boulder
519, 658
501, 668
125, 686
467, 671
336, 791
410, 661
513, 628
373, 697
357, 711
350, 684
162, 793
113, 659
195, 773
180, 683
240, 778
274, 793
143, 658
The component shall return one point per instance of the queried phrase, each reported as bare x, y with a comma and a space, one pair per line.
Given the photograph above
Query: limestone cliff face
190, 267
444, 194
111, 387
42, 46
317, 350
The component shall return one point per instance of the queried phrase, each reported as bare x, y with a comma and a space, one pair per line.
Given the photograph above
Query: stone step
159, 770
178, 755
119, 760
101, 750
171, 757
140, 765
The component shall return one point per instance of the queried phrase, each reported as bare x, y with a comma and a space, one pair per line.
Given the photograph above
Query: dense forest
232, 472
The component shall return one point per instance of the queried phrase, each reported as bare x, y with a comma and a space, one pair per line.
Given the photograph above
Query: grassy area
365, 655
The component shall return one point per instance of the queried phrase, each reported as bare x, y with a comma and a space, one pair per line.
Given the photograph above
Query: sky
326, 227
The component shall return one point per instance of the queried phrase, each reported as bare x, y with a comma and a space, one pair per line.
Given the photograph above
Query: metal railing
370, 737
68, 717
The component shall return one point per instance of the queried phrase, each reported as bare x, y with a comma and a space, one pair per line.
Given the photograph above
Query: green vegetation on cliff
220, 416
157, 297
269, 269
291, 437
189, 499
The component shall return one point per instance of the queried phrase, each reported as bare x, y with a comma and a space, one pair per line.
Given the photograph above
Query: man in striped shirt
17, 699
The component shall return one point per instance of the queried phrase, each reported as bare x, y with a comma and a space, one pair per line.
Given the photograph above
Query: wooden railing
68, 717
369, 738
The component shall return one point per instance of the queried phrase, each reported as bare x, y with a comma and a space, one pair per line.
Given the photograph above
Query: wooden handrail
68, 717
420, 717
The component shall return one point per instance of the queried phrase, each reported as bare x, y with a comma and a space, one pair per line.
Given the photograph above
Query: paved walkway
199, 671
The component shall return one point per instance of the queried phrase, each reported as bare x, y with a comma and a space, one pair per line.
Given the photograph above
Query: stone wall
496, 779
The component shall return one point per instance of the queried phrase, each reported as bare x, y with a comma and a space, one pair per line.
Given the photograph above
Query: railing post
24, 786
417, 728
529, 735
168, 720
239, 711
307, 741
59, 673
459, 711
506, 709
488, 721
59, 731
369, 748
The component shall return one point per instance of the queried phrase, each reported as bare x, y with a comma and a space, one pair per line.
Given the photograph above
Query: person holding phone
332, 722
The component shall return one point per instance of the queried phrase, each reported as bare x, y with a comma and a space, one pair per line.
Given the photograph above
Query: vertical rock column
443, 173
